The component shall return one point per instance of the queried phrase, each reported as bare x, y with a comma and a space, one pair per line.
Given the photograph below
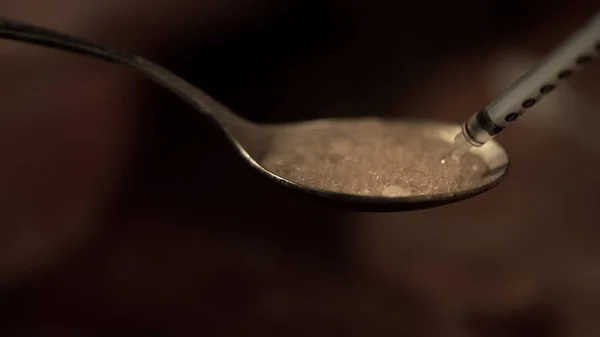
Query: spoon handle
22, 32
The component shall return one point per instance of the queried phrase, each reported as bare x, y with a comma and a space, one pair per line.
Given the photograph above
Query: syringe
557, 66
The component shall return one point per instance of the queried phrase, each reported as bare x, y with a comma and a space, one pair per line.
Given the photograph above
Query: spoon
253, 141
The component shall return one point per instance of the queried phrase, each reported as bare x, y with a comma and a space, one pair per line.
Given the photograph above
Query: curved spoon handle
18, 31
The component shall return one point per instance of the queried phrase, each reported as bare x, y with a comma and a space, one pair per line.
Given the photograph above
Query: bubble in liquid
395, 191
342, 146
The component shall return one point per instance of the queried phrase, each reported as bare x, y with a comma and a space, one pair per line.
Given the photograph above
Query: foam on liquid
370, 157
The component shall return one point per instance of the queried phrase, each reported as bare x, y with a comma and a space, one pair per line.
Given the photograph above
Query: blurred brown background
124, 212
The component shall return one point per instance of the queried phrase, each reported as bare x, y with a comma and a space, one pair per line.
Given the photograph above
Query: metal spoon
253, 140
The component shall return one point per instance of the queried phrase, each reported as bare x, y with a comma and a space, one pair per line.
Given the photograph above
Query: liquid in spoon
457, 150
370, 157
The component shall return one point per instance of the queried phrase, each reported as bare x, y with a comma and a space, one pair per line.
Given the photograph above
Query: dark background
183, 238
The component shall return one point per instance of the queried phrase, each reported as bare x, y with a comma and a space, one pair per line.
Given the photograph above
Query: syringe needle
557, 66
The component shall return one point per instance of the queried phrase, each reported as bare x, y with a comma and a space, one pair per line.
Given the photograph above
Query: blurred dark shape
539, 320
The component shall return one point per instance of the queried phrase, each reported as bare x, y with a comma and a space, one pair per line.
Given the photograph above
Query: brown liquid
370, 157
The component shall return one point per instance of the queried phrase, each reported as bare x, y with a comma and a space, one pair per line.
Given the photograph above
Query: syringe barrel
580, 48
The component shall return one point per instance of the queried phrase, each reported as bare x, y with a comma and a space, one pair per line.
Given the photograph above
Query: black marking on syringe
583, 60
513, 116
529, 103
487, 124
547, 88
563, 75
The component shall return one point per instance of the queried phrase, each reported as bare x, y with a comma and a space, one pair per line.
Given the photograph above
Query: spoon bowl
254, 141
492, 154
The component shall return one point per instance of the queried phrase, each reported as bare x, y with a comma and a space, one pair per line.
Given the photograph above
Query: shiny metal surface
252, 140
